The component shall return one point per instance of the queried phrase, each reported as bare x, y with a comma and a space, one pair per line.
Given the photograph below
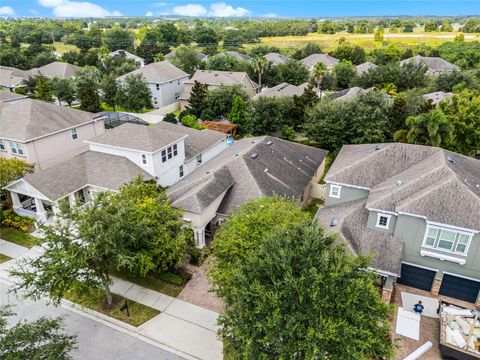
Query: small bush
192, 122
183, 114
170, 118
12, 220
171, 278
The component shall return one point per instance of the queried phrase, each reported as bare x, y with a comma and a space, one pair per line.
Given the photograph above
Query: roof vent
269, 142
333, 222
236, 154
450, 159
254, 156
399, 183
377, 147
266, 170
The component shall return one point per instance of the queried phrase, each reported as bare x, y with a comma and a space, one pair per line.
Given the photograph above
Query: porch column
199, 235
55, 208
15, 200
41, 213
72, 200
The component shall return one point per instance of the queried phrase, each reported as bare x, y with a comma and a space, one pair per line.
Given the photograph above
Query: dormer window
335, 191
383, 221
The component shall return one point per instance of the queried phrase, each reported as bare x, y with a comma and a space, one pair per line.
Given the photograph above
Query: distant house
276, 58
237, 56
166, 151
56, 69
365, 67
435, 65
124, 54
312, 60
249, 169
281, 90
351, 93
44, 134
12, 78
76, 181
199, 55
214, 79
165, 80
436, 97
414, 209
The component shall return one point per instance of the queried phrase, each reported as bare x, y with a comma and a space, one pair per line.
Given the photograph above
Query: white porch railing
27, 213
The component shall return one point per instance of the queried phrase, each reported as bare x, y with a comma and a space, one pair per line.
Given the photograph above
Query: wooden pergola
220, 126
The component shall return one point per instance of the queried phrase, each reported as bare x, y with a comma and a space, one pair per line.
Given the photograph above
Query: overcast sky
267, 8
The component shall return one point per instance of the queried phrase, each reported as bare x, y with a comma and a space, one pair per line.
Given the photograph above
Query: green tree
170, 118
64, 90
448, 80
293, 72
87, 83
238, 113
40, 339
345, 74
221, 62
431, 26
378, 35
43, 89
309, 49
198, 98
319, 71
110, 88
288, 133
220, 100
191, 121
246, 229
353, 53
446, 27
260, 66
134, 229
298, 295
134, 94
118, 38
186, 59
432, 128
10, 170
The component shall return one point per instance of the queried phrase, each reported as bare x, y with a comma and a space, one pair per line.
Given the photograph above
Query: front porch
35, 208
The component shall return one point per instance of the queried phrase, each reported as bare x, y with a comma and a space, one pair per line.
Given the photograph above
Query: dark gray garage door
460, 288
416, 277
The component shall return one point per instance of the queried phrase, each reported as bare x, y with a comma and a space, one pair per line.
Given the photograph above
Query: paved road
95, 340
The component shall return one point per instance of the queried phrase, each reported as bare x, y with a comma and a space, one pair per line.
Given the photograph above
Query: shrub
191, 122
170, 118
12, 220
171, 278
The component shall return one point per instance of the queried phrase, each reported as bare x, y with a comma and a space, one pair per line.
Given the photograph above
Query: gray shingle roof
158, 72
89, 168
276, 58
6, 96
283, 89
437, 97
431, 182
433, 63
214, 77
126, 55
11, 77
56, 69
237, 55
256, 168
364, 67
28, 119
313, 59
199, 55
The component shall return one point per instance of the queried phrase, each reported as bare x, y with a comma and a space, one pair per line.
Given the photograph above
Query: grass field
62, 48
4, 258
330, 42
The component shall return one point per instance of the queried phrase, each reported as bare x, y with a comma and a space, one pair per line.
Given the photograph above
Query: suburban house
312, 60
365, 67
249, 169
215, 79
167, 152
435, 65
276, 58
44, 134
12, 78
199, 55
38, 195
56, 69
351, 93
237, 56
283, 89
124, 54
414, 209
165, 80
436, 97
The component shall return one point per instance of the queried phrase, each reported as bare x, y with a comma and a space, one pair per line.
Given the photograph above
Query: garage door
460, 288
416, 277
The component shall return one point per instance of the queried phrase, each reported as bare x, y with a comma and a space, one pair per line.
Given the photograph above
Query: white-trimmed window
383, 221
144, 159
447, 240
157, 86
335, 191
164, 156
175, 150
180, 171
2, 145
74, 134
17, 148
199, 159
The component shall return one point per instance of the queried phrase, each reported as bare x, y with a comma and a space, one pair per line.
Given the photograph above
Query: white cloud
190, 10
270, 15
67, 8
7, 10
160, 4
149, 13
224, 10
33, 11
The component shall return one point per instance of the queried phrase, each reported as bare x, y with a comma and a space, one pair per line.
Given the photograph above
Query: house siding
346, 194
372, 222
166, 94
412, 231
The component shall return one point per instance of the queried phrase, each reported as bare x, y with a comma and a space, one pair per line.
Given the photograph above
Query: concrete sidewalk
12, 250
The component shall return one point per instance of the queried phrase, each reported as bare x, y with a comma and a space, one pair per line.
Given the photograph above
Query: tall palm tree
260, 65
431, 128
319, 71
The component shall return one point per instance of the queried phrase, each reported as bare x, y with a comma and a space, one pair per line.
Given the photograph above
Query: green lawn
62, 48
106, 107
95, 300
4, 258
18, 237
167, 283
